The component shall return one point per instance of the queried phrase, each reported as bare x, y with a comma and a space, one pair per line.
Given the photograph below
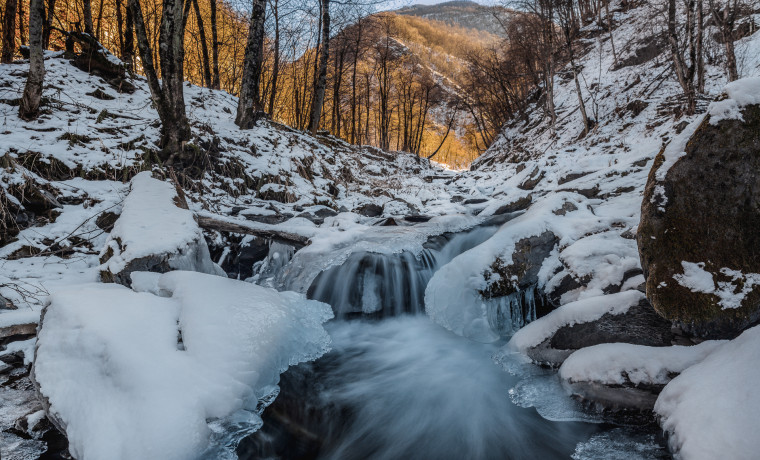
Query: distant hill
462, 13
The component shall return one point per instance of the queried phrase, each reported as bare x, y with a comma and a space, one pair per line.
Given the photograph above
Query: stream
398, 386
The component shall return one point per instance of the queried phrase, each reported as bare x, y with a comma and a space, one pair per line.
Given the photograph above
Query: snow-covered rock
625, 376
711, 410
534, 340
466, 295
153, 233
171, 372
698, 232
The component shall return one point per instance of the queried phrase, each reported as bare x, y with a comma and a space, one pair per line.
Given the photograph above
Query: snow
581, 311
152, 224
711, 410
676, 149
17, 317
624, 363
695, 277
138, 375
731, 293
745, 91
453, 299
595, 241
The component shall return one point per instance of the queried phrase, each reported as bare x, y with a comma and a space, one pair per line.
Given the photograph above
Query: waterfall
384, 285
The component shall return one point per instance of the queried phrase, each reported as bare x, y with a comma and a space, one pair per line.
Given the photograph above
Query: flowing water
397, 386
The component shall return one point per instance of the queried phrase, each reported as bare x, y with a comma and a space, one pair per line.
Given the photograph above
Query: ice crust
144, 374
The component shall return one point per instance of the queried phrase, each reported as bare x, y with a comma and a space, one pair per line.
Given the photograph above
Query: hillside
467, 14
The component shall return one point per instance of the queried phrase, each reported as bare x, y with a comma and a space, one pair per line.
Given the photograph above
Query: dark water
404, 388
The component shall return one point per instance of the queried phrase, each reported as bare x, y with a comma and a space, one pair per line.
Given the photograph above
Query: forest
395, 81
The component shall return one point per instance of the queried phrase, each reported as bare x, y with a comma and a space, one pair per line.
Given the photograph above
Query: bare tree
321, 71
30, 102
204, 45
214, 45
47, 28
683, 50
725, 13
570, 26
249, 105
21, 34
276, 59
9, 32
168, 94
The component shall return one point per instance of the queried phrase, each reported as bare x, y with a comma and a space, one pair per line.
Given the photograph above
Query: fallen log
97, 60
209, 223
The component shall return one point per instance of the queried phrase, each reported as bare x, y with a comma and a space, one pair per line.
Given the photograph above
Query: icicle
509, 313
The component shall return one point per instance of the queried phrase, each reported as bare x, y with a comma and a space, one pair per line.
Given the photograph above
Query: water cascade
384, 285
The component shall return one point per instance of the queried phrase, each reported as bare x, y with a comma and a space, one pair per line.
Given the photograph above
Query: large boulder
700, 218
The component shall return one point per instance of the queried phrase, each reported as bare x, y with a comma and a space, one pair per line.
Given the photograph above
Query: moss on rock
711, 215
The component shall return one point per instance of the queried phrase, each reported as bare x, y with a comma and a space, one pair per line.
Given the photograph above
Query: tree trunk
204, 45
609, 25
321, 81
725, 21
47, 28
128, 56
214, 46
276, 63
731, 68
9, 32
21, 33
87, 10
120, 28
30, 101
100, 20
700, 47
167, 95
684, 73
249, 104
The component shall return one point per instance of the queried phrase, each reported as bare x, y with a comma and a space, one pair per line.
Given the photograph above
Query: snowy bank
154, 233
170, 373
625, 363
711, 410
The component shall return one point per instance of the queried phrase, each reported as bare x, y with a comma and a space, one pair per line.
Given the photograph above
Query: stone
106, 220
640, 325
416, 219
705, 210
369, 210
520, 204
530, 183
